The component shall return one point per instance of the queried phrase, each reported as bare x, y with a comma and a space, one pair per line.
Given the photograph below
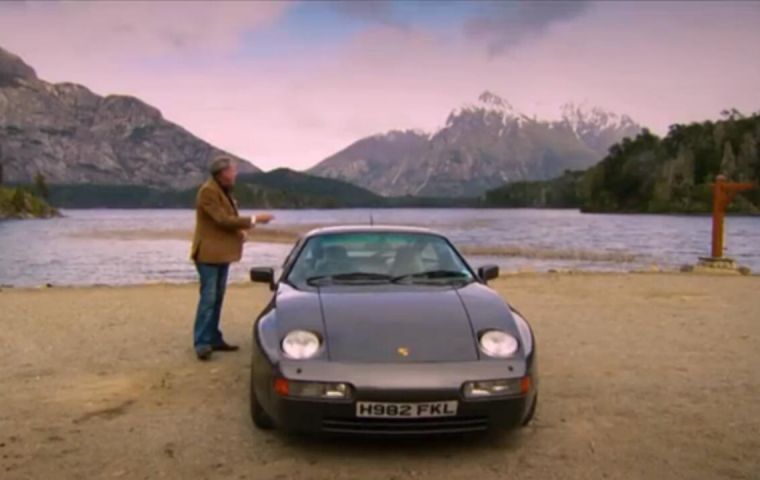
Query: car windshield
378, 257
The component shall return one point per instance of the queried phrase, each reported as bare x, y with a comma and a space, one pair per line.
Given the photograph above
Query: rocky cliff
74, 136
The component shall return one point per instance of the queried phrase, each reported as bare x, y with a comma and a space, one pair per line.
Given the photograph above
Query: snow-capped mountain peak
489, 104
596, 127
483, 144
401, 135
582, 118
491, 101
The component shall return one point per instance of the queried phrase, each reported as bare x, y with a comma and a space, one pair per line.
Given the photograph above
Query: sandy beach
642, 376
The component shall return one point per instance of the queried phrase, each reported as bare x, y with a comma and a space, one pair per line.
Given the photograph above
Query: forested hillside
653, 174
280, 188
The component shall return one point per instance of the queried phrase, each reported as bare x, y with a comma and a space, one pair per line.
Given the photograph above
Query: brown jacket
219, 229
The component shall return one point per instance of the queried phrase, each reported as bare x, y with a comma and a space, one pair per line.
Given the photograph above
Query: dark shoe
225, 347
204, 352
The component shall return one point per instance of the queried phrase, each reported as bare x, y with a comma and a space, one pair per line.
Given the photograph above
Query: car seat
407, 262
335, 260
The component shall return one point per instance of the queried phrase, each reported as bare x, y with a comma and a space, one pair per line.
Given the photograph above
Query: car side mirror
488, 272
263, 275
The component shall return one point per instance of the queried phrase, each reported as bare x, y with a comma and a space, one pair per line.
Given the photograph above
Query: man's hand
264, 218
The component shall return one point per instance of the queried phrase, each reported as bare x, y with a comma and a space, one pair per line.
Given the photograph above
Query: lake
71, 251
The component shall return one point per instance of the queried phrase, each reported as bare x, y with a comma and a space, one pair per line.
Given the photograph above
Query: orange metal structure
723, 192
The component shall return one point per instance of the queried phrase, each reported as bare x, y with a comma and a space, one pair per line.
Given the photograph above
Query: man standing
217, 242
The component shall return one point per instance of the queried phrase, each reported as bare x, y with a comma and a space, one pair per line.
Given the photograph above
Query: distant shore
289, 235
258, 234
463, 206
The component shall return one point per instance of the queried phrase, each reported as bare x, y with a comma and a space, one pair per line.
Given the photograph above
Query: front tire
261, 419
529, 417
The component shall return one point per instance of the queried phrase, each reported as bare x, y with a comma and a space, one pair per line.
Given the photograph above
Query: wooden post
723, 192
718, 217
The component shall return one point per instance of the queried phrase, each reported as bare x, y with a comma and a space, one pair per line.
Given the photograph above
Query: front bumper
393, 383
313, 416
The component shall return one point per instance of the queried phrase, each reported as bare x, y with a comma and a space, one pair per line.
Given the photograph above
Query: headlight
328, 390
300, 344
496, 343
496, 388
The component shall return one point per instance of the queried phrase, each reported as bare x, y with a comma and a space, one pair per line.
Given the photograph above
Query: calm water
62, 252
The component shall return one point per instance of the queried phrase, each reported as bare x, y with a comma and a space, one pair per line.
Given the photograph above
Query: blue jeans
213, 283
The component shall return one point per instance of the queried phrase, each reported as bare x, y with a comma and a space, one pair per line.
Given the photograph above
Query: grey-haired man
217, 242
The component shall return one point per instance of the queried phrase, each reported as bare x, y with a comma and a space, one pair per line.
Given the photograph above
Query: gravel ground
642, 376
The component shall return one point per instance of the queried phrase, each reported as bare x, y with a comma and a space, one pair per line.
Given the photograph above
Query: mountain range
117, 150
73, 136
481, 146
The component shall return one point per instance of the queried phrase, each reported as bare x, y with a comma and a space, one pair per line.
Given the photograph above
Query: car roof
370, 229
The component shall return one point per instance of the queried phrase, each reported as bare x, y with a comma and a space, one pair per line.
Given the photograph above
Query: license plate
406, 410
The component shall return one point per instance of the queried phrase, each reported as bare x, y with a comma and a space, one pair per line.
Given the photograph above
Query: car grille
379, 426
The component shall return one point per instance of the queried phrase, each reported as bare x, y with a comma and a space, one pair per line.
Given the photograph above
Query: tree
1, 164
18, 201
728, 163
41, 185
732, 114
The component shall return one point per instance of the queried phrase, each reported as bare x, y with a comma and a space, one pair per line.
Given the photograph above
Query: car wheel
531, 412
260, 418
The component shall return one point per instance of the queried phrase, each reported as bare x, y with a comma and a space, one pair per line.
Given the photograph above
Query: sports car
388, 331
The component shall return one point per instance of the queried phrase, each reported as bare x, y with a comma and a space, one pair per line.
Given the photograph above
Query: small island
21, 202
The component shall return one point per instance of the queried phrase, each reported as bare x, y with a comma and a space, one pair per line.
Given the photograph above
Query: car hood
397, 325
394, 323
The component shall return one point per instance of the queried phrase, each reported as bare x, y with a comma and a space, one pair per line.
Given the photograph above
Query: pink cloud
67, 37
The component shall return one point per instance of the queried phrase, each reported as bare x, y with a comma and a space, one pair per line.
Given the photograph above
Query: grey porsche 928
388, 330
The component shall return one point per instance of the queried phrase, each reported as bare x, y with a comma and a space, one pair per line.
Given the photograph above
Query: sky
288, 84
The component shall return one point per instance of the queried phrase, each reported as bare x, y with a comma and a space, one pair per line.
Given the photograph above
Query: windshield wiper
350, 277
433, 275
